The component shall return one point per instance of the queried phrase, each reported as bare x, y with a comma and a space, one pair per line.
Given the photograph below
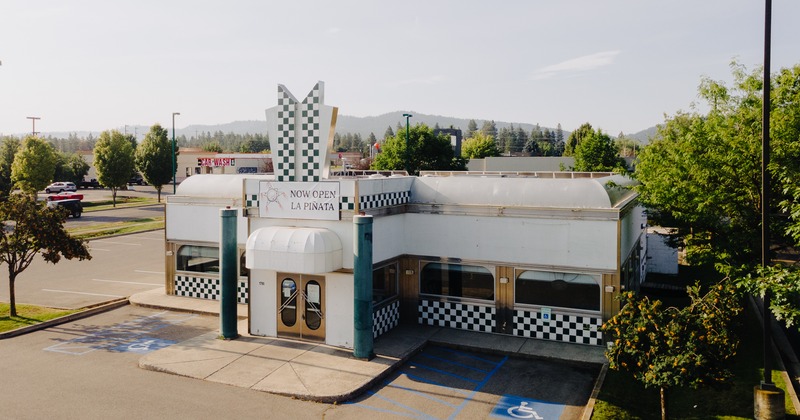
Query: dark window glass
200, 259
384, 283
313, 312
456, 280
288, 302
564, 290
243, 270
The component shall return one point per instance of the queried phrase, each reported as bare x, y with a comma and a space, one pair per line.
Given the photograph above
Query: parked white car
58, 187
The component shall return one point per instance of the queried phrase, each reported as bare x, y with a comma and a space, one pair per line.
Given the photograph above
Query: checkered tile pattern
283, 158
385, 318
310, 159
252, 201
301, 147
383, 200
566, 328
348, 203
207, 288
457, 315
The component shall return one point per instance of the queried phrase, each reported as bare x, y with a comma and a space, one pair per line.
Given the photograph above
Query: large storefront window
384, 283
456, 280
200, 259
564, 290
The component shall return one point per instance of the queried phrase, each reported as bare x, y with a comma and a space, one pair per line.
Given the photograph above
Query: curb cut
85, 313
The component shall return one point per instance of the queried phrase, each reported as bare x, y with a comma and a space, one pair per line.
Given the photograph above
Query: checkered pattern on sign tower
301, 143
284, 161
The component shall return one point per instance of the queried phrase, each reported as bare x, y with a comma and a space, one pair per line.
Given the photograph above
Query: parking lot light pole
174, 162
408, 152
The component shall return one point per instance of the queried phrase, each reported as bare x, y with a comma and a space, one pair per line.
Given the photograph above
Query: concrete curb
588, 410
183, 310
86, 312
374, 381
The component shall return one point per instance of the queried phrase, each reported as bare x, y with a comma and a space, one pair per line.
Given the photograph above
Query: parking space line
430, 382
127, 282
421, 394
118, 243
468, 355
148, 272
478, 388
412, 409
81, 293
444, 372
450, 362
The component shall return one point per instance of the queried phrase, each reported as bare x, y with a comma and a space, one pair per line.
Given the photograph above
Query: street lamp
174, 171
408, 152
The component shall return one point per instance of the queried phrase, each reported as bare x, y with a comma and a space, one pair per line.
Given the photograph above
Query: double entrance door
301, 306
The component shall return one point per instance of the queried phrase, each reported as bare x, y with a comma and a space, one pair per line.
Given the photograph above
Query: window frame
389, 296
485, 301
598, 282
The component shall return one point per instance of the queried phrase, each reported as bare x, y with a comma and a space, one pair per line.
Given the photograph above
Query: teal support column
362, 277
229, 261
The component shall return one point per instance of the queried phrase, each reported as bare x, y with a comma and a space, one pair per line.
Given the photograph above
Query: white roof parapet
217, 185
605, 192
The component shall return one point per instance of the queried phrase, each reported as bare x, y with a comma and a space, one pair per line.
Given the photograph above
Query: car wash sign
299, 200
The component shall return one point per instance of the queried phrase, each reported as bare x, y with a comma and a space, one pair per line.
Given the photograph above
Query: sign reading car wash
216, 162
299, 200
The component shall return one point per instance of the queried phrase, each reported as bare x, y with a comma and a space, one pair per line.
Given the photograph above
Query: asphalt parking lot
445, 383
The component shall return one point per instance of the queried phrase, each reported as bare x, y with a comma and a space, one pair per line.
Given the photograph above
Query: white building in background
540, 254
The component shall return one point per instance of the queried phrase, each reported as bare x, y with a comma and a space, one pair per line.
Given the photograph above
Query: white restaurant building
534, 254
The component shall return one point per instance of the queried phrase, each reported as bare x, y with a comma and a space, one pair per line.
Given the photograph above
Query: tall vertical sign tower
301, 135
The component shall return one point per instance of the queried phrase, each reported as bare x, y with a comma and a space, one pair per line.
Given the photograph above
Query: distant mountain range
348, 124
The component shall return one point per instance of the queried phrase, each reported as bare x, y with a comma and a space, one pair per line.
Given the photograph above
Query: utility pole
33, 120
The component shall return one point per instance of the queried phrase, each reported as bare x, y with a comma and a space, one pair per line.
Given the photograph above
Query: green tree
153, 158
426, 152
702, 172
34, 165
478, 147
489, 128
213, 147
472, 128
597, 153
575, 137
29, 228
389, 133
70, 167
113, 160
8, 150
671, 347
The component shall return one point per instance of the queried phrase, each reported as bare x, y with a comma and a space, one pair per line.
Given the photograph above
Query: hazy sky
620, 65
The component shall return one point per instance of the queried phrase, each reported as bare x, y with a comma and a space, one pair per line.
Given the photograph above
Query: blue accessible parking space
445, 383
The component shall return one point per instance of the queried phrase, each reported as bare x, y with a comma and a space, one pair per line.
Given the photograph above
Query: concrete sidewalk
318, 372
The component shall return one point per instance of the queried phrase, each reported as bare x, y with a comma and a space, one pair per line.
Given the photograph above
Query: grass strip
117, 228
122, 202
28, 315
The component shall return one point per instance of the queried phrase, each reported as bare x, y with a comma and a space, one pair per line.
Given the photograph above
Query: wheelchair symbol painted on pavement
515, 407
522, 411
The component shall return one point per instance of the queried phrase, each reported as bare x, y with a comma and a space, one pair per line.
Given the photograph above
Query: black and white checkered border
252, 201
566, 328
385, 318
309, 161
348, 203
457, 315
283, 158
207, 288
383, 200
